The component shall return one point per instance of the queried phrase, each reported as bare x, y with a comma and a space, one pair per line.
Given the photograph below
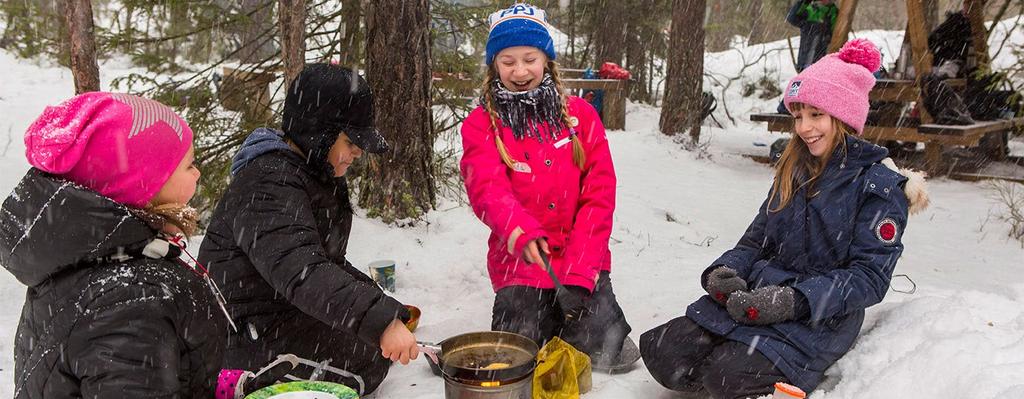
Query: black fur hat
325, 100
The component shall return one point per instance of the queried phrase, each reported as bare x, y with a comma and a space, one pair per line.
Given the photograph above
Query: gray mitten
722, 282
766, 305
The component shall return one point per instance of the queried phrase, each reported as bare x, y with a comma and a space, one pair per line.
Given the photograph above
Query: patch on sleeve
887, 230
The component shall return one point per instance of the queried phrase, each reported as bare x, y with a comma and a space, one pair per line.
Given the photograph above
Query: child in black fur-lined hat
277, 240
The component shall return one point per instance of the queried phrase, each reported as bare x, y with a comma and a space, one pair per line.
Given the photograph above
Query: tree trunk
352, 45
78, 16
639, 42
292, 26
254, 46
610, 35
680, 112
400, 184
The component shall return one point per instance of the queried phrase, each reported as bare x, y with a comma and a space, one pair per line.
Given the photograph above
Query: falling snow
962, 327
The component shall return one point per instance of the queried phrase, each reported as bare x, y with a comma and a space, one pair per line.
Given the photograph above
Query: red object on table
611, 70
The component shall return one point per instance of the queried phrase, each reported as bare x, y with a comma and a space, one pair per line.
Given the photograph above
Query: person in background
815, 18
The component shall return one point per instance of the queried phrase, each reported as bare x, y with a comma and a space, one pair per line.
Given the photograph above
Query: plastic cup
383, 272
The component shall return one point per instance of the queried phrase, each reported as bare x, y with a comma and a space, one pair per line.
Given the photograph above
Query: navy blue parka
836, 248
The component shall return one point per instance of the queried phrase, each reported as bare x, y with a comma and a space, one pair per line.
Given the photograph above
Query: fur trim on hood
916, 188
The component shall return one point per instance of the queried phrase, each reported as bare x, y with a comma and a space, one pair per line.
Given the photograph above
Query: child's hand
766, 305
398, 344
531, 252
722, 282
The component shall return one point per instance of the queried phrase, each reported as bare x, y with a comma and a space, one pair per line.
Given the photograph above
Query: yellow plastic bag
562, 371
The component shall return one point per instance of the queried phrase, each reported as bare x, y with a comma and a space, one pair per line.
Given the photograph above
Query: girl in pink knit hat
95, 230
788, 301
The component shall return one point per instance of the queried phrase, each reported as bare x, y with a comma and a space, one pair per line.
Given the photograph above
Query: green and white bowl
305, 390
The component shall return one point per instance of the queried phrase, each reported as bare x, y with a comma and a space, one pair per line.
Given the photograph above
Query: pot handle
430, 349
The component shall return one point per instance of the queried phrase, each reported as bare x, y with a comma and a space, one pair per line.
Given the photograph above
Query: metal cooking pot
465, 357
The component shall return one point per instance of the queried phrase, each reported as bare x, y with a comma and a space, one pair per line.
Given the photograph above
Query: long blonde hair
797, 163
578, 157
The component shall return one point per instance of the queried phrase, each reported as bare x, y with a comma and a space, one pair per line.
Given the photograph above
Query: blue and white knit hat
519, 25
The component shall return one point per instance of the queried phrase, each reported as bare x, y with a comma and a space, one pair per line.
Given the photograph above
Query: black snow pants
307, 338
683, 356
534, 313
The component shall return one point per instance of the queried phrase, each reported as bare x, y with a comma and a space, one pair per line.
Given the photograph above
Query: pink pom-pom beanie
839, 83
122, 146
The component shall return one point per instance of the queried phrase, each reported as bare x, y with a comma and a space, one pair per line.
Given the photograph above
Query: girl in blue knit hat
538, 172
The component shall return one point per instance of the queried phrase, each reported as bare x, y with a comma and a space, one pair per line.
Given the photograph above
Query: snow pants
307, 338
683, 356
534, 313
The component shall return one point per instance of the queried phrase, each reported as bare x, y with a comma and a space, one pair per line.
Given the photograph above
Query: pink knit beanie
839, 83
122, 146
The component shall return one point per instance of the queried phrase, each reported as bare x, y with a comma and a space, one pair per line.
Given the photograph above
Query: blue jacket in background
826, 248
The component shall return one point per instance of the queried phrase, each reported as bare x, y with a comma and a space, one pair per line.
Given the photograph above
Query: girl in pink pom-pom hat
95, 231
788, 300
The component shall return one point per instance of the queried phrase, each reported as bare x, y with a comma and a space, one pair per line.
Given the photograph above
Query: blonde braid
578, 156
493, 116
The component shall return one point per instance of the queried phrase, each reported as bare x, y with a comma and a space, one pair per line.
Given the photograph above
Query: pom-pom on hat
839, 83
122, 146
519, 25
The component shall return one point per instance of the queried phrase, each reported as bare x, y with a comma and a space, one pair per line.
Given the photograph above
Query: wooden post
979, 35
247, 92
922, 66
918, 43
615, 106
843, 22
86, 72
613, 115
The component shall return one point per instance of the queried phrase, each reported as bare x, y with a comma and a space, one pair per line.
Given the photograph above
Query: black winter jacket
276, 246
96, 327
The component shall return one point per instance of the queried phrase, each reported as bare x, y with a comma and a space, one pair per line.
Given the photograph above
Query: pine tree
680, 111
86, 71
400, 184
292, 26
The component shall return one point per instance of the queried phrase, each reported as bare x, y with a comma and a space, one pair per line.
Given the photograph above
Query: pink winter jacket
547, 196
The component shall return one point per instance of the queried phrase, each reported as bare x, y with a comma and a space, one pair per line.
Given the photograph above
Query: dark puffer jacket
837, 248
276, 246
95, 327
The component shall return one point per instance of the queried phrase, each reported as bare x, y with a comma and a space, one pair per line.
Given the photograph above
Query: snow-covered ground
960, 334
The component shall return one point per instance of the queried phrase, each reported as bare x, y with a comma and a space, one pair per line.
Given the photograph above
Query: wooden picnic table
935, 137
615, 92
613, 114
903, 90
898, 127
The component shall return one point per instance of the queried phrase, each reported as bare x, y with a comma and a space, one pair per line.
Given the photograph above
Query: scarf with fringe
530, 113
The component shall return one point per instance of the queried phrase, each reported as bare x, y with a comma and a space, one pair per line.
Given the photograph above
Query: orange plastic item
786, 391
414, 318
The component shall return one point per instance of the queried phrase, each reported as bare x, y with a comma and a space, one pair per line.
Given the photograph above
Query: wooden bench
613, 114
247, 91
935, 137
615, 92
903, 90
